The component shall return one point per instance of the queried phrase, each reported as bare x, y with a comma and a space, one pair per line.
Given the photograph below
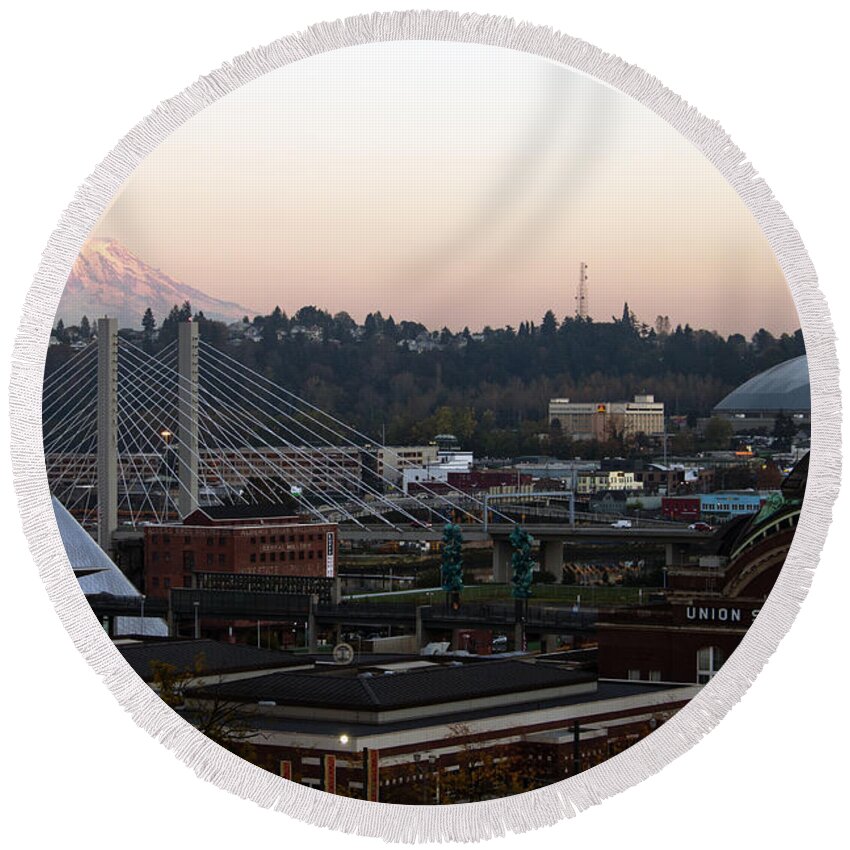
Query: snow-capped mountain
109, 280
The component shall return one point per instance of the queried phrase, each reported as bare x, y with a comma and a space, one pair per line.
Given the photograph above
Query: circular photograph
426, 422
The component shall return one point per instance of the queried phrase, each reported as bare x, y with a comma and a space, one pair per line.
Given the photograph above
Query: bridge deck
541, 531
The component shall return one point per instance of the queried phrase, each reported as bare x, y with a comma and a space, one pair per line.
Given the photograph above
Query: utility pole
187, 417
576, 747
107, 432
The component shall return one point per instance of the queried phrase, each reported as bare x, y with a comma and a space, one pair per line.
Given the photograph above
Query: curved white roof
105, 576
782, 387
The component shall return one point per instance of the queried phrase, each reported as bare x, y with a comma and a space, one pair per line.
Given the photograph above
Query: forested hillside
490, 387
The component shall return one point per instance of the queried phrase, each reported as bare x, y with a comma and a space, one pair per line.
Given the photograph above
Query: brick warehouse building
246, 540
709, 605
411, 730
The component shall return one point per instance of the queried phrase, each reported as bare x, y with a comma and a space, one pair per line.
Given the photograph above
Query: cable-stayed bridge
133, 438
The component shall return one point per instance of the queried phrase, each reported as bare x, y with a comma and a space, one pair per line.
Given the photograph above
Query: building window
166, 539
221, 541
166, 582
301, 555
654, 675
221, 559
709, 661
253, 557
187, 539
253, 540
209, 559
210, 541
634, 674
263, 556
155, 556
262, 540
156, 581
272, 557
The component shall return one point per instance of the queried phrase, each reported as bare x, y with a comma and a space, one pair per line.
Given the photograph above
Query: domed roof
782, 387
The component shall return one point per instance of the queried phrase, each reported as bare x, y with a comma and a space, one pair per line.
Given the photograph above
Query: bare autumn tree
220, 720
486, 772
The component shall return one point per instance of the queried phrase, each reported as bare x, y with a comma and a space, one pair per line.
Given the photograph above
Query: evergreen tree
372, 325
550, 324
60, 333
148, 328
85, 328
784, 431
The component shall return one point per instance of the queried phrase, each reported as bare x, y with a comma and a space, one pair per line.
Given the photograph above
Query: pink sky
450, 184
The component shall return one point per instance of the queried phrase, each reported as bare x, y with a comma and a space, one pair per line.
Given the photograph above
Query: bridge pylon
107, 431
187, 417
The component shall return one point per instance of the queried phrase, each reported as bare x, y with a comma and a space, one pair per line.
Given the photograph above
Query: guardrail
238, 604
536, 616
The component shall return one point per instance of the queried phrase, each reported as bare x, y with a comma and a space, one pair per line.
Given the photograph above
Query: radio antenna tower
581, 292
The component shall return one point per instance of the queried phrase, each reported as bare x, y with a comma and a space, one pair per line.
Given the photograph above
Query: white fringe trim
475, 821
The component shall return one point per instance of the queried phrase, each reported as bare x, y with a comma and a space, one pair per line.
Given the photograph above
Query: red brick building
251, 540
682, 508
414, 730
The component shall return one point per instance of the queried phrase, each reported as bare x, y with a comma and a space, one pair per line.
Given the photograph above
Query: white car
622, 523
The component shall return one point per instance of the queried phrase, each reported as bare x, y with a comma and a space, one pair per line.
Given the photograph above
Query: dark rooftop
209, 655
242, 512
606, 690
394, 690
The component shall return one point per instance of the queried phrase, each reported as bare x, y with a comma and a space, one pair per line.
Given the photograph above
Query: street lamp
142, 605
435, 773
167, 437
417, 758
197, 605
343, 739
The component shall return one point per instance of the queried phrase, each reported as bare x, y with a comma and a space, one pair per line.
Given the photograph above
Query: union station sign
705, 613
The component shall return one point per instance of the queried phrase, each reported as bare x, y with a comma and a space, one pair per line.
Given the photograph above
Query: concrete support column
550, 643
187, 417
502, 553
107, 432
675, 554
519, 631
312, 637
552, 558
421, 634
